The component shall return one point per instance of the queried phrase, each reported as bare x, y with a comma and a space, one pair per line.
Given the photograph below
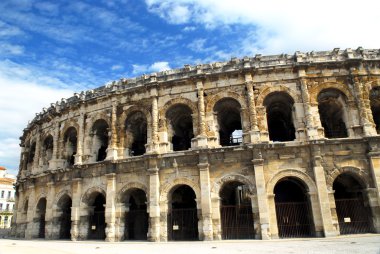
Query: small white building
7, 198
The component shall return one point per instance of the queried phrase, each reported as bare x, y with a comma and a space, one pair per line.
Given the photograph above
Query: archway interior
100, 141
293, 212
31, 153
375, 106
182, 215
331, 110
41, 211
47, 152
354, 215
279, 108
236, 211
229, 122
64, 205
136, 220
136, 128
97, 218
181, 124
70, 141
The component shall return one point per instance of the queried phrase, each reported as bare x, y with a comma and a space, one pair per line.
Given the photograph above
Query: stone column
76, 209
368, 128
254, 132
323, 195
112, 148
374, 159
201, 140
204, 178
79, 154
110, 212
50, 208
154, 146
55, 161
31, 211
36, 161
262, 199
154, 206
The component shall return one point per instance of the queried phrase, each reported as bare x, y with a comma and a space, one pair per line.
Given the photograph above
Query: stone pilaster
154, 145
254, 132
154, 206
374, 160
262, 199
112, 148
323, 196
76, 209
80, 145
36, 160
50, 211
31, 210
110, 212
204, 178
201, 140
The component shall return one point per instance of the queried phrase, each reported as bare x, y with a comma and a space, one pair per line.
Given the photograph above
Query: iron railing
237, 222
183, 224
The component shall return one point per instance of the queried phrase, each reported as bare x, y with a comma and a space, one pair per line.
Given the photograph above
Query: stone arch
88, 197
303, 177
130, 110
128, 187
42, 195
355, 172
60, 195
369, 86
192, 105
210, 104
317, 89
265, 91
67, 125
169, 188
218, 184
96, 117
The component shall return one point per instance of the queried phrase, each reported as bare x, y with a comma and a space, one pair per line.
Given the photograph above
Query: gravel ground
367, 244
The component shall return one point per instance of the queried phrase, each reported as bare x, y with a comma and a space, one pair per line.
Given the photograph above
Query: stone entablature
256, 121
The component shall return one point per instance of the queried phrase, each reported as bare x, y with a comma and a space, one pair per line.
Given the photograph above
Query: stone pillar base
254, 136
111, 154
199, 142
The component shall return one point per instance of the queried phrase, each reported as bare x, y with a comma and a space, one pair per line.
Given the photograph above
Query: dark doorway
236, 212
64, 205
41, 211
354, 215
279, 107
293, 212
181, 124
100, 139
136, 128
375, 106
97, 224
229, 122
182, 215
70, 143
136, 219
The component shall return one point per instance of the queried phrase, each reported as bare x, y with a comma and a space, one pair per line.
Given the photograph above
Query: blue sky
51, 49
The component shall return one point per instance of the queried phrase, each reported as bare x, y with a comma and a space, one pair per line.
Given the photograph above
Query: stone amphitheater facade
254, 148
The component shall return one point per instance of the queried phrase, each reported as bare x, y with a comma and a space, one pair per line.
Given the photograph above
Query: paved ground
367, 244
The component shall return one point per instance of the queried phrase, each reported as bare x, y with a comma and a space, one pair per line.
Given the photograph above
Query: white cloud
116, 67
283, 26
9, 49
189, 28
24, 94
155, 67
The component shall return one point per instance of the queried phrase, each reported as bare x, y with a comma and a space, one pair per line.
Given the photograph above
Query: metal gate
353, 216
41, 230
97, 226
293, 219
136, 222
65, 222
183, 224
237, 222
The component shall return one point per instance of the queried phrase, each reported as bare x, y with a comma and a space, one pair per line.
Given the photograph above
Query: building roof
9, 181
2, 168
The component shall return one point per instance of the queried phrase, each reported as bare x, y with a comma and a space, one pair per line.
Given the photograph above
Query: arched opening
47, 150
70, 142
229, 122
180, 126
40, 214
279, 108
136, 217
64, 220
331, 106
136, 129
182, 214
354, 214
375, 106
293, 211
236, 211
32, 152
100, 139
97, 222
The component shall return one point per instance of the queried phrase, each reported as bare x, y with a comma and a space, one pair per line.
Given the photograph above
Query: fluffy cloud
155, 67
282, 26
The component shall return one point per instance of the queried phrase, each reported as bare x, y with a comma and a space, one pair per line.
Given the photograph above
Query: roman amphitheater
261, 147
